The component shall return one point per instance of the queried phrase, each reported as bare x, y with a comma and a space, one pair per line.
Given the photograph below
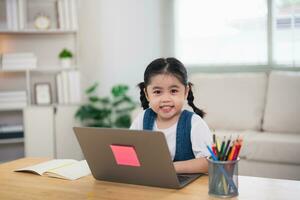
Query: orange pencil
230, 157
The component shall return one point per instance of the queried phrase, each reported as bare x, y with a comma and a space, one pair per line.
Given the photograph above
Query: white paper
72, 172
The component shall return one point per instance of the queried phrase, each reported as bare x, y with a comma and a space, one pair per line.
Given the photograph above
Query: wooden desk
15, 185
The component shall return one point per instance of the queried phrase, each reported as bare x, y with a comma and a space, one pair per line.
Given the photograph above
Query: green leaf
87, 112
123, 121
119, 90
93, 99
65, 53
96, 99
105, 100
91, 89
99, 124
102, 114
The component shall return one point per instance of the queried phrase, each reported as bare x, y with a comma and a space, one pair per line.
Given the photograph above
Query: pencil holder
223, 178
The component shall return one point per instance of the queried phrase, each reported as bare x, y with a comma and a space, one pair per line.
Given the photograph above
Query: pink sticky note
125, 155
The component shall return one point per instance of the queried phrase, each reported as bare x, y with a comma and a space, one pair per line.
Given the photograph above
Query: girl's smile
166, 108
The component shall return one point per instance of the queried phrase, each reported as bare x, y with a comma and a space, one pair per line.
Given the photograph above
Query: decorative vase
65, 62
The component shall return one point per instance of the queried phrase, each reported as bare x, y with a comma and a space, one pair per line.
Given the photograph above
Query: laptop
130, 156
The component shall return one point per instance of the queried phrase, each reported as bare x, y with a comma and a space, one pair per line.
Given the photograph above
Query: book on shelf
60, 168
11, 131
12, 105
11, 135
13, 96
18, 61
68, 87
4, 128
3, 24
61, 21
22, 13
9, 15
74, 86
20, 93
13, 99
65, 87
12, 14
73, 15
67, 14
59, 84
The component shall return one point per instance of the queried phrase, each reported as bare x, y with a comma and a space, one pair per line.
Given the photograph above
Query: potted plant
65, 57
111, 111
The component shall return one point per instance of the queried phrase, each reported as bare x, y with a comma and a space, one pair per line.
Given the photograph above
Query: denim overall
184, 149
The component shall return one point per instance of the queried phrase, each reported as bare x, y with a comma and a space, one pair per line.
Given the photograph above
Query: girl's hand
197, 165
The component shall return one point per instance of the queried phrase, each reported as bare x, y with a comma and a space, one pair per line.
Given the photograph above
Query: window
221, 32
286, 32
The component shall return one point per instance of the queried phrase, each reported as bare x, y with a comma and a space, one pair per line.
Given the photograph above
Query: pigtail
143, 99
190, 99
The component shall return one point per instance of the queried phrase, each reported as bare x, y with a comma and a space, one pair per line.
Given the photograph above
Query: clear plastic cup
223, 178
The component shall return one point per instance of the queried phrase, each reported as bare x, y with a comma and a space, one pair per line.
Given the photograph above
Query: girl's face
166, 96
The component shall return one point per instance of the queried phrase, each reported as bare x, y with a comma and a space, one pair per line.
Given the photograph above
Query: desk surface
14, 185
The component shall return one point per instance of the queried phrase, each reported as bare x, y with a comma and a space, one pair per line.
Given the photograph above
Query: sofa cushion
233, 101
274, 147
282, 112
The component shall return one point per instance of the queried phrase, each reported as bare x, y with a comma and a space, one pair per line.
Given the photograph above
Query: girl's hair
167, 66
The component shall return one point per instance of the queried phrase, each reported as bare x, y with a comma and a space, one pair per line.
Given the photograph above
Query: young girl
164, 90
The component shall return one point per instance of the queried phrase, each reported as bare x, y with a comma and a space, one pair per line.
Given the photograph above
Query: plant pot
65, 62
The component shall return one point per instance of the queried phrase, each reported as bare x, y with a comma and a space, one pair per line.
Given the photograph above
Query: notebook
130, 156
59, 168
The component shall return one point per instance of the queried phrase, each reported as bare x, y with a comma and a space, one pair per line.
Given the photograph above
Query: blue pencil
211, 153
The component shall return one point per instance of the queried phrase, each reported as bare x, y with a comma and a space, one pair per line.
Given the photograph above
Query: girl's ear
187, 90
146, 94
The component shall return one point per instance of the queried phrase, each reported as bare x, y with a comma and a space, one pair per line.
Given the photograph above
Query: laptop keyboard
182, 178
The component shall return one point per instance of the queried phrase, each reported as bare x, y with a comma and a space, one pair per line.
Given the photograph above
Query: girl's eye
156, 91
173, 91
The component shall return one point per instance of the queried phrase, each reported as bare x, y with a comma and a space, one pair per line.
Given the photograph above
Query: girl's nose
165, 98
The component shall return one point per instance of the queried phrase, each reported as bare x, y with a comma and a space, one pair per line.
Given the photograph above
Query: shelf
11, 141
12, 107
39, 69
34, 31
52, 69
55, 105
12, 71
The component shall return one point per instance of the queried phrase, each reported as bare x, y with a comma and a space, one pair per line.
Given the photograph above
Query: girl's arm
197, 165
200, 136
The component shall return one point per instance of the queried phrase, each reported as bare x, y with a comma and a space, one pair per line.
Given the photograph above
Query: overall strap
184, 150
149, 119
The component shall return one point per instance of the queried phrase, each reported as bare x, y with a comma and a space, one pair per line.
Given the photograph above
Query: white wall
119, 38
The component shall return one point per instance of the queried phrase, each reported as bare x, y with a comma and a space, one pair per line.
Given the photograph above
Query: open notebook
60, 168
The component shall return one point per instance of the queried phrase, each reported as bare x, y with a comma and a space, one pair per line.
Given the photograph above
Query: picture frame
43, 93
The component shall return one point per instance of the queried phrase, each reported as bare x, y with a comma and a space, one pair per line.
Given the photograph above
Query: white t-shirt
200, 135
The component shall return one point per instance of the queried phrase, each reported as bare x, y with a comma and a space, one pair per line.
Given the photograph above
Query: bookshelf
33, 31
23, 31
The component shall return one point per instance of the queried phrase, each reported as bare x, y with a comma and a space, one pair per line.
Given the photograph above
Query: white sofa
264, 108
